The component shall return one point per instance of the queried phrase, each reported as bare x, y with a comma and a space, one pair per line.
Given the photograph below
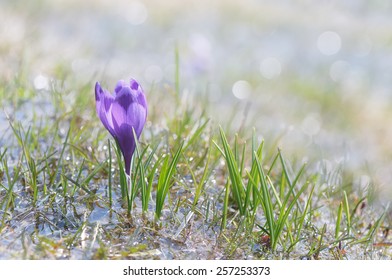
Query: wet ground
312, 78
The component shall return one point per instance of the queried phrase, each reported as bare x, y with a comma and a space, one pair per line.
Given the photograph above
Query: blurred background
313, 76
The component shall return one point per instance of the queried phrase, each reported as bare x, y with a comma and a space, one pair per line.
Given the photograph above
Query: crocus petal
125, 97
141, 99
133, 84
136, 114
103, 106
138, 93
122, 114
126, 141
124, 122
120, 84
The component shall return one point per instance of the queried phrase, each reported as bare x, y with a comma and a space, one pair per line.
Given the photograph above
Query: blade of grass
123, 179
285, 212
141, 183
78, 177
85, 182
195, 136
319, 245
11, 180
304, 213
225, 205
253, 178
373, 229
275, 227
110, 175
151, 177
338, 220
347, 212
23, 140
234, 173
286, 173
200, 185
60, 159
165, 177
266, 202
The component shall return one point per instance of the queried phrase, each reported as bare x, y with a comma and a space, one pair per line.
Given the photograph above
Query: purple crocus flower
122, 112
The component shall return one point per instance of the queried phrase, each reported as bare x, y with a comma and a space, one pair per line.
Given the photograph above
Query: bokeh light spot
41, 82
242, 89
136, 13
329, 43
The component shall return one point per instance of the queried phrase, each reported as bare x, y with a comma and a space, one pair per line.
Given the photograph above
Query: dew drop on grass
136, 13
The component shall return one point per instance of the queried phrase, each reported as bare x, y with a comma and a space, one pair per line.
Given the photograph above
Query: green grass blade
140, 173
285, 210
123, 178
253, 178
60, 158
200, 185
266, 202
234, 173
286, 173
346, 207
195, 136
110, 175
225, 205
160, 187
304, 213
338, 220
166, 175
151, 176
